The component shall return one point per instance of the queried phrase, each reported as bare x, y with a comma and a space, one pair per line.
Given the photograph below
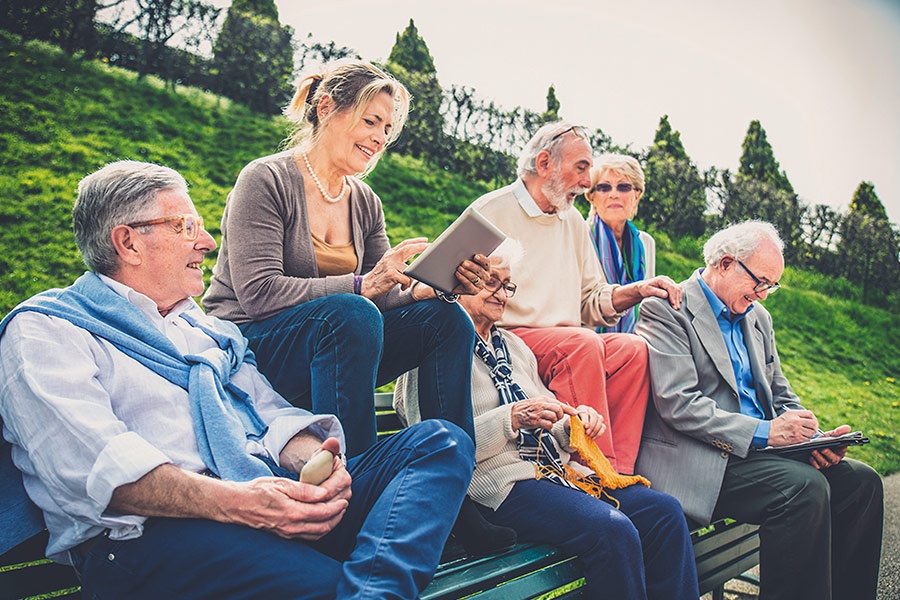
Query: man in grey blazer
719, 395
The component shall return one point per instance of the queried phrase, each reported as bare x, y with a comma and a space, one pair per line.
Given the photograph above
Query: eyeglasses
493, 285
761, 286
605, 188
578, 131
191, 225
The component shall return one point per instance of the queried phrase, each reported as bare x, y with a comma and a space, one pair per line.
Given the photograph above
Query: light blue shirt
730, 326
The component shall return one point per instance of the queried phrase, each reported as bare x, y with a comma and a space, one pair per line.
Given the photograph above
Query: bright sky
823, 77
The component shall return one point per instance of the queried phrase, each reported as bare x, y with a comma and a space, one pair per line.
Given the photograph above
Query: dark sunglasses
605, 188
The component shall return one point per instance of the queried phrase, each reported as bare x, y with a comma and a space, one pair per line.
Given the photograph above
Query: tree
675, 194
870, 246
865, 201
411, 52
743, 198
775, 201
553, 105
758, 159
410, 62
158, 22
822, 227
263, 8
253, 58
67, 23
318, 52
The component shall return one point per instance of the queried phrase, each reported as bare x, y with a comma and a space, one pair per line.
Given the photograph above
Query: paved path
889, 582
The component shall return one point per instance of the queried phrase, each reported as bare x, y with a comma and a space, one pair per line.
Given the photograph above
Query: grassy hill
63, 118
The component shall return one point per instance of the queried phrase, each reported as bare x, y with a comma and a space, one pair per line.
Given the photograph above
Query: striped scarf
617, 268
535, 445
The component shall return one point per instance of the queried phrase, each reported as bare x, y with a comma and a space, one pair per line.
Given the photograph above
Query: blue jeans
328, 355
407, 491
642, 550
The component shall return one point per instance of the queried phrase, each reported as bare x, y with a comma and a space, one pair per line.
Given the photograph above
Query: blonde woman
307, 273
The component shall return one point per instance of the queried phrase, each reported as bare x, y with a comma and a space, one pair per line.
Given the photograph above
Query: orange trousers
605, 371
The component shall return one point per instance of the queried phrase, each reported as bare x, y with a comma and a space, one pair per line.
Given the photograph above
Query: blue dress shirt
730, 326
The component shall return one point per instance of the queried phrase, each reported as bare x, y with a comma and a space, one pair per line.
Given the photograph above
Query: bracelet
446, 297
357, 285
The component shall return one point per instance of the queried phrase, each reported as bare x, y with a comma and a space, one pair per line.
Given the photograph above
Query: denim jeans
328, 355
641, 551
407, 491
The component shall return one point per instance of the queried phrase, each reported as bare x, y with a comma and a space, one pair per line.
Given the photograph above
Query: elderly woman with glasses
306, 271
626, 254
633, 541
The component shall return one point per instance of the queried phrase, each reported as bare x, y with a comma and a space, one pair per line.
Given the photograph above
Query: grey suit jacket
694, 425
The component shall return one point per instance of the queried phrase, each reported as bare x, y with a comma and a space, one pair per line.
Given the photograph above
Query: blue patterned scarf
224, 417
617, 268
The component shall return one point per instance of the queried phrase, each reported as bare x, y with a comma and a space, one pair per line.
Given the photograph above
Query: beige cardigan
497, 462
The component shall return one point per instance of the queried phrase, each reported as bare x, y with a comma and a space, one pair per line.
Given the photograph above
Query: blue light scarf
617, 268
224, 417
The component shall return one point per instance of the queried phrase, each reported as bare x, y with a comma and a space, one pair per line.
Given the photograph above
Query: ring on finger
477, 280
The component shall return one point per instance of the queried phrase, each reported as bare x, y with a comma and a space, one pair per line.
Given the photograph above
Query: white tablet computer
468, 235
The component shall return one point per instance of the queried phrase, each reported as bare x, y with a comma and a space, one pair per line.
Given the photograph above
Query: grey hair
547, 138
740, 241
508, 254
121, 192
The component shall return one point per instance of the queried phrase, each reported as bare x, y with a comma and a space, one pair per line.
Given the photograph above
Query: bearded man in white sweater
562, 287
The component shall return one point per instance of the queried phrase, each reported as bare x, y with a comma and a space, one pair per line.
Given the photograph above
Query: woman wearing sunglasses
626, 254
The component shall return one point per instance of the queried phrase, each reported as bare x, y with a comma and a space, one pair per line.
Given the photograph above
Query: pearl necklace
331, 199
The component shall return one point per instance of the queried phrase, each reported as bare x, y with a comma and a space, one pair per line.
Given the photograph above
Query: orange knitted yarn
605, 477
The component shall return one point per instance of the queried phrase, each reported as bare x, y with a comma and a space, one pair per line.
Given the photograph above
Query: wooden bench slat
466, 576
538, 583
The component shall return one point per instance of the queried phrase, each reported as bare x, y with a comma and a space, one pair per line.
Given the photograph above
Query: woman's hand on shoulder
388, 271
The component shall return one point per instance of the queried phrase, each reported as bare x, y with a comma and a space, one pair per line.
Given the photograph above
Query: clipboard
470, 234
854, 438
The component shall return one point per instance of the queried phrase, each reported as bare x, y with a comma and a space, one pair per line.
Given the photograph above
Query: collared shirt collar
528, 203
147, 306
718, 307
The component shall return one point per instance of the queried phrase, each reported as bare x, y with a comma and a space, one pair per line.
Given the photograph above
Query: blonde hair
351, 85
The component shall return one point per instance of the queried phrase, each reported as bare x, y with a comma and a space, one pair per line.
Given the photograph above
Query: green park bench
725, 550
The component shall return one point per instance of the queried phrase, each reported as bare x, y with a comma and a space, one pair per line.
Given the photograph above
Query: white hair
740, 241
549, 138
508, 254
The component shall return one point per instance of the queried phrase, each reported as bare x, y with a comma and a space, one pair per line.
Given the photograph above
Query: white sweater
560, 283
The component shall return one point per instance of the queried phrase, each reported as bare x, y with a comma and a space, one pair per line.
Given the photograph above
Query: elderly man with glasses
561, 288
719, 398
165, 464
